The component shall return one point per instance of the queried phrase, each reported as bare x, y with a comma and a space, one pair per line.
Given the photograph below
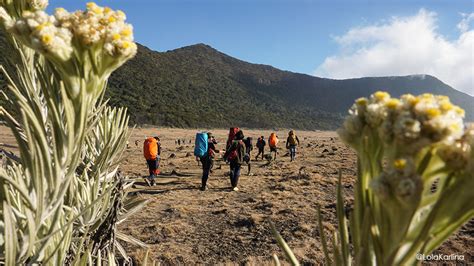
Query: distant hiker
235, 156
136, 142
291, 142
261, 147
248, 149
272, 143
152, 152
179, 142
205, 149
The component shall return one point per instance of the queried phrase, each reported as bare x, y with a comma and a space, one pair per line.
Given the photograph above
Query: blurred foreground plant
414, 182
62, 202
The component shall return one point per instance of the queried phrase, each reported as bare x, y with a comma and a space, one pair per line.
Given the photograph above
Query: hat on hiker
209, 134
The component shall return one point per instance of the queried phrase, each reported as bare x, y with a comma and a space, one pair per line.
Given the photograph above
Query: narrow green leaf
323, 237
10, 235
284, 246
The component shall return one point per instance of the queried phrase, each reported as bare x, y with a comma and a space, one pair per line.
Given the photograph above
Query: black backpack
260, 143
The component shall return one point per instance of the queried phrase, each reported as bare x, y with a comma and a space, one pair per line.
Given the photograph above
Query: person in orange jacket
152, 152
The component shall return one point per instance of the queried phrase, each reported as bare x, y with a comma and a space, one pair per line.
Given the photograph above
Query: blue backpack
201, 145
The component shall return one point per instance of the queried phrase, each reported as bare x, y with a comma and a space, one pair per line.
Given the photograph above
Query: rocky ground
183, 225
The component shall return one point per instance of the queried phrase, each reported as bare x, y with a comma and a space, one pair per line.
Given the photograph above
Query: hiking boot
152, 182
235, 189
203, 188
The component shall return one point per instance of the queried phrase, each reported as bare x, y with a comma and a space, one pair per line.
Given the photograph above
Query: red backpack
234, 153
232, 132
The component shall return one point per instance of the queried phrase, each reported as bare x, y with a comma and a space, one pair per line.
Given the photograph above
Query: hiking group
237, 152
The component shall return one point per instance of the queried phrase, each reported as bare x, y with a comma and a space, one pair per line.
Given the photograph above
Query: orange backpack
150, 148
273, 140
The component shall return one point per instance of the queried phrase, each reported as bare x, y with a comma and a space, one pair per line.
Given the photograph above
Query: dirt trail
186, 226
183, 225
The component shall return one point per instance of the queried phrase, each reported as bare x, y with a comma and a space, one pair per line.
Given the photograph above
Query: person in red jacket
152, 152
235, 156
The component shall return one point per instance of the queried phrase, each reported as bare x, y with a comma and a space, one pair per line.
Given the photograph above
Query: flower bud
456, 156
38, 4
407, 128
406, 189
376, 113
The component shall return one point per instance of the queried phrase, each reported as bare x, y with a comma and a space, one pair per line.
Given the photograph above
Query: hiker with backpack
212, 149
272, 143
261, 147
204, 150
232, 132
291, 142
248, 150
152, 152
235, 156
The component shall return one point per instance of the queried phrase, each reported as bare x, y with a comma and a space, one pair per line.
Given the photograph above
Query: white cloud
405, 46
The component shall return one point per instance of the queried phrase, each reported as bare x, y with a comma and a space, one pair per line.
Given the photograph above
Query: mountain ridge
210, 48
197, 86
207, 88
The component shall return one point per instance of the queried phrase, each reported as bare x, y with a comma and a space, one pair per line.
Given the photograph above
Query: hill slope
198, 86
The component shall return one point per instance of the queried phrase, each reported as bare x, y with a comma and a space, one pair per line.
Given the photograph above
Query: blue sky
298, 35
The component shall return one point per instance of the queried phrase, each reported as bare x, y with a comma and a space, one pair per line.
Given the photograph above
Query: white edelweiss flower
407, 128
424, 106
375, 114
64, 34
380, 97
61, 14
445, 128
32, 23
121, 15
353, 125
38, 4
109, 48
456, 155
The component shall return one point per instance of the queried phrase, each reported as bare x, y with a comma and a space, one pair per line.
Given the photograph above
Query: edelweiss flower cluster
415, 172
410, 122
17, 7
99, 26
401, 129
85, 46
58, 35
40, 32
